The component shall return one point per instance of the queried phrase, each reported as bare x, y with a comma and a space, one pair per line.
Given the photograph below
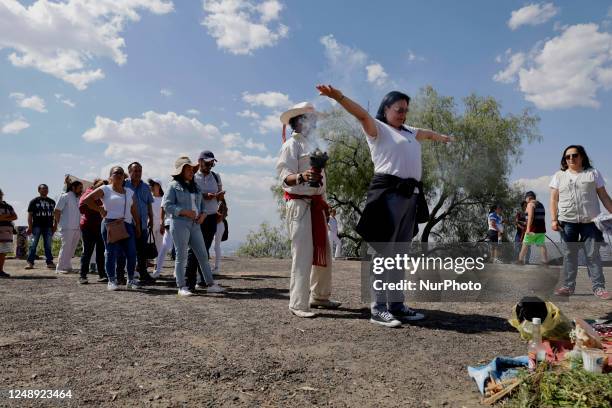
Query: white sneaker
155, 274
61, 271
200, 286
215, 288
184, 292
112, 286
303, 313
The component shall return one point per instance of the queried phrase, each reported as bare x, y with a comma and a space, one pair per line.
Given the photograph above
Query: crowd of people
118, 218
122, 218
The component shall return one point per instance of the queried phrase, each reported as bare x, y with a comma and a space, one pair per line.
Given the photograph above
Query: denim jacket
177, 198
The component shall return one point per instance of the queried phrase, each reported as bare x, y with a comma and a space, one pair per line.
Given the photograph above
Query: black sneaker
4, 275
83, 281
146, 279
408, 314
385, 319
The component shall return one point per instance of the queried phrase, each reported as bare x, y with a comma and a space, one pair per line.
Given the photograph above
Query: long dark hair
190, 186
152, 183
389, 100
586, 163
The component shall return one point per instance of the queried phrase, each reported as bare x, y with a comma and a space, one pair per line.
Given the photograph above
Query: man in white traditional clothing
306, 215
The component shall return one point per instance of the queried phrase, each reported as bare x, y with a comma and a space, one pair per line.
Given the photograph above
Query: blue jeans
47, 236
112, 251
187, 234
589, 238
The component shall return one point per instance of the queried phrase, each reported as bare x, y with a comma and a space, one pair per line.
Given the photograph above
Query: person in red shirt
92, 236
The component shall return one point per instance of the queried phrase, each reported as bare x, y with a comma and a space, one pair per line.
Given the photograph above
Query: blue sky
90, 83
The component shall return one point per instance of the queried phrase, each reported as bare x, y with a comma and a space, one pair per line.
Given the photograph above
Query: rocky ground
243, 348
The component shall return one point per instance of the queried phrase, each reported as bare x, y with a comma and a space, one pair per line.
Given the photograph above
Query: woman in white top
575, 193
158, 196
396, 193
117, 203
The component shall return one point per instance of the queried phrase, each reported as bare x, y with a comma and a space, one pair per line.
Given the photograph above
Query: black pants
92, 239
141, 258
209, 228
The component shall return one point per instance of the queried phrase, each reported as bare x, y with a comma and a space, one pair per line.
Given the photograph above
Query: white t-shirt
115, 203
68, 204
599, 181
396, 152
157, 211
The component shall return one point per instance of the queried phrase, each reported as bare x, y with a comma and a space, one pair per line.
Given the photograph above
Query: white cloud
413, 57
268, 99
508, 75
63, 39
338, 54
165, 92
349, 65
159, 138
241, 27
270, 123
537, 185
65, 101
248, 114
377, 74
232, 140
194, 112
15, 126
33, 102
532, 14
567, 70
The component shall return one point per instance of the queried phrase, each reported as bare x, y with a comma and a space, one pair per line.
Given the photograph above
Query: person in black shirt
40, 223
7, 216
520, 222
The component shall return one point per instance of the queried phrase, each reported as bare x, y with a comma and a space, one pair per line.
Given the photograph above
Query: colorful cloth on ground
501, 368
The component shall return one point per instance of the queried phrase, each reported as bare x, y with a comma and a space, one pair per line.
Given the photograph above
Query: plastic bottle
535, 349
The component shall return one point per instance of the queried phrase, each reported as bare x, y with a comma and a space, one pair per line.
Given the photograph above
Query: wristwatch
300, 178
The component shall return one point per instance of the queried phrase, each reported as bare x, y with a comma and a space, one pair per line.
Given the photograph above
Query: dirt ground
152, 349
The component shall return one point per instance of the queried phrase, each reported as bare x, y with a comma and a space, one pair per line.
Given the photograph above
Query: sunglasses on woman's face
571, 156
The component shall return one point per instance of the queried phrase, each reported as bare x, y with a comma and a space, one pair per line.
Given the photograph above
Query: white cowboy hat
297, 110
180, 163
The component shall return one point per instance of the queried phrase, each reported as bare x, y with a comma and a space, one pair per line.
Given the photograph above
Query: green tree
267, 242
464, 178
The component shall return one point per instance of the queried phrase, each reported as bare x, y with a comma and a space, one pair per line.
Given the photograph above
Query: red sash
318, 220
